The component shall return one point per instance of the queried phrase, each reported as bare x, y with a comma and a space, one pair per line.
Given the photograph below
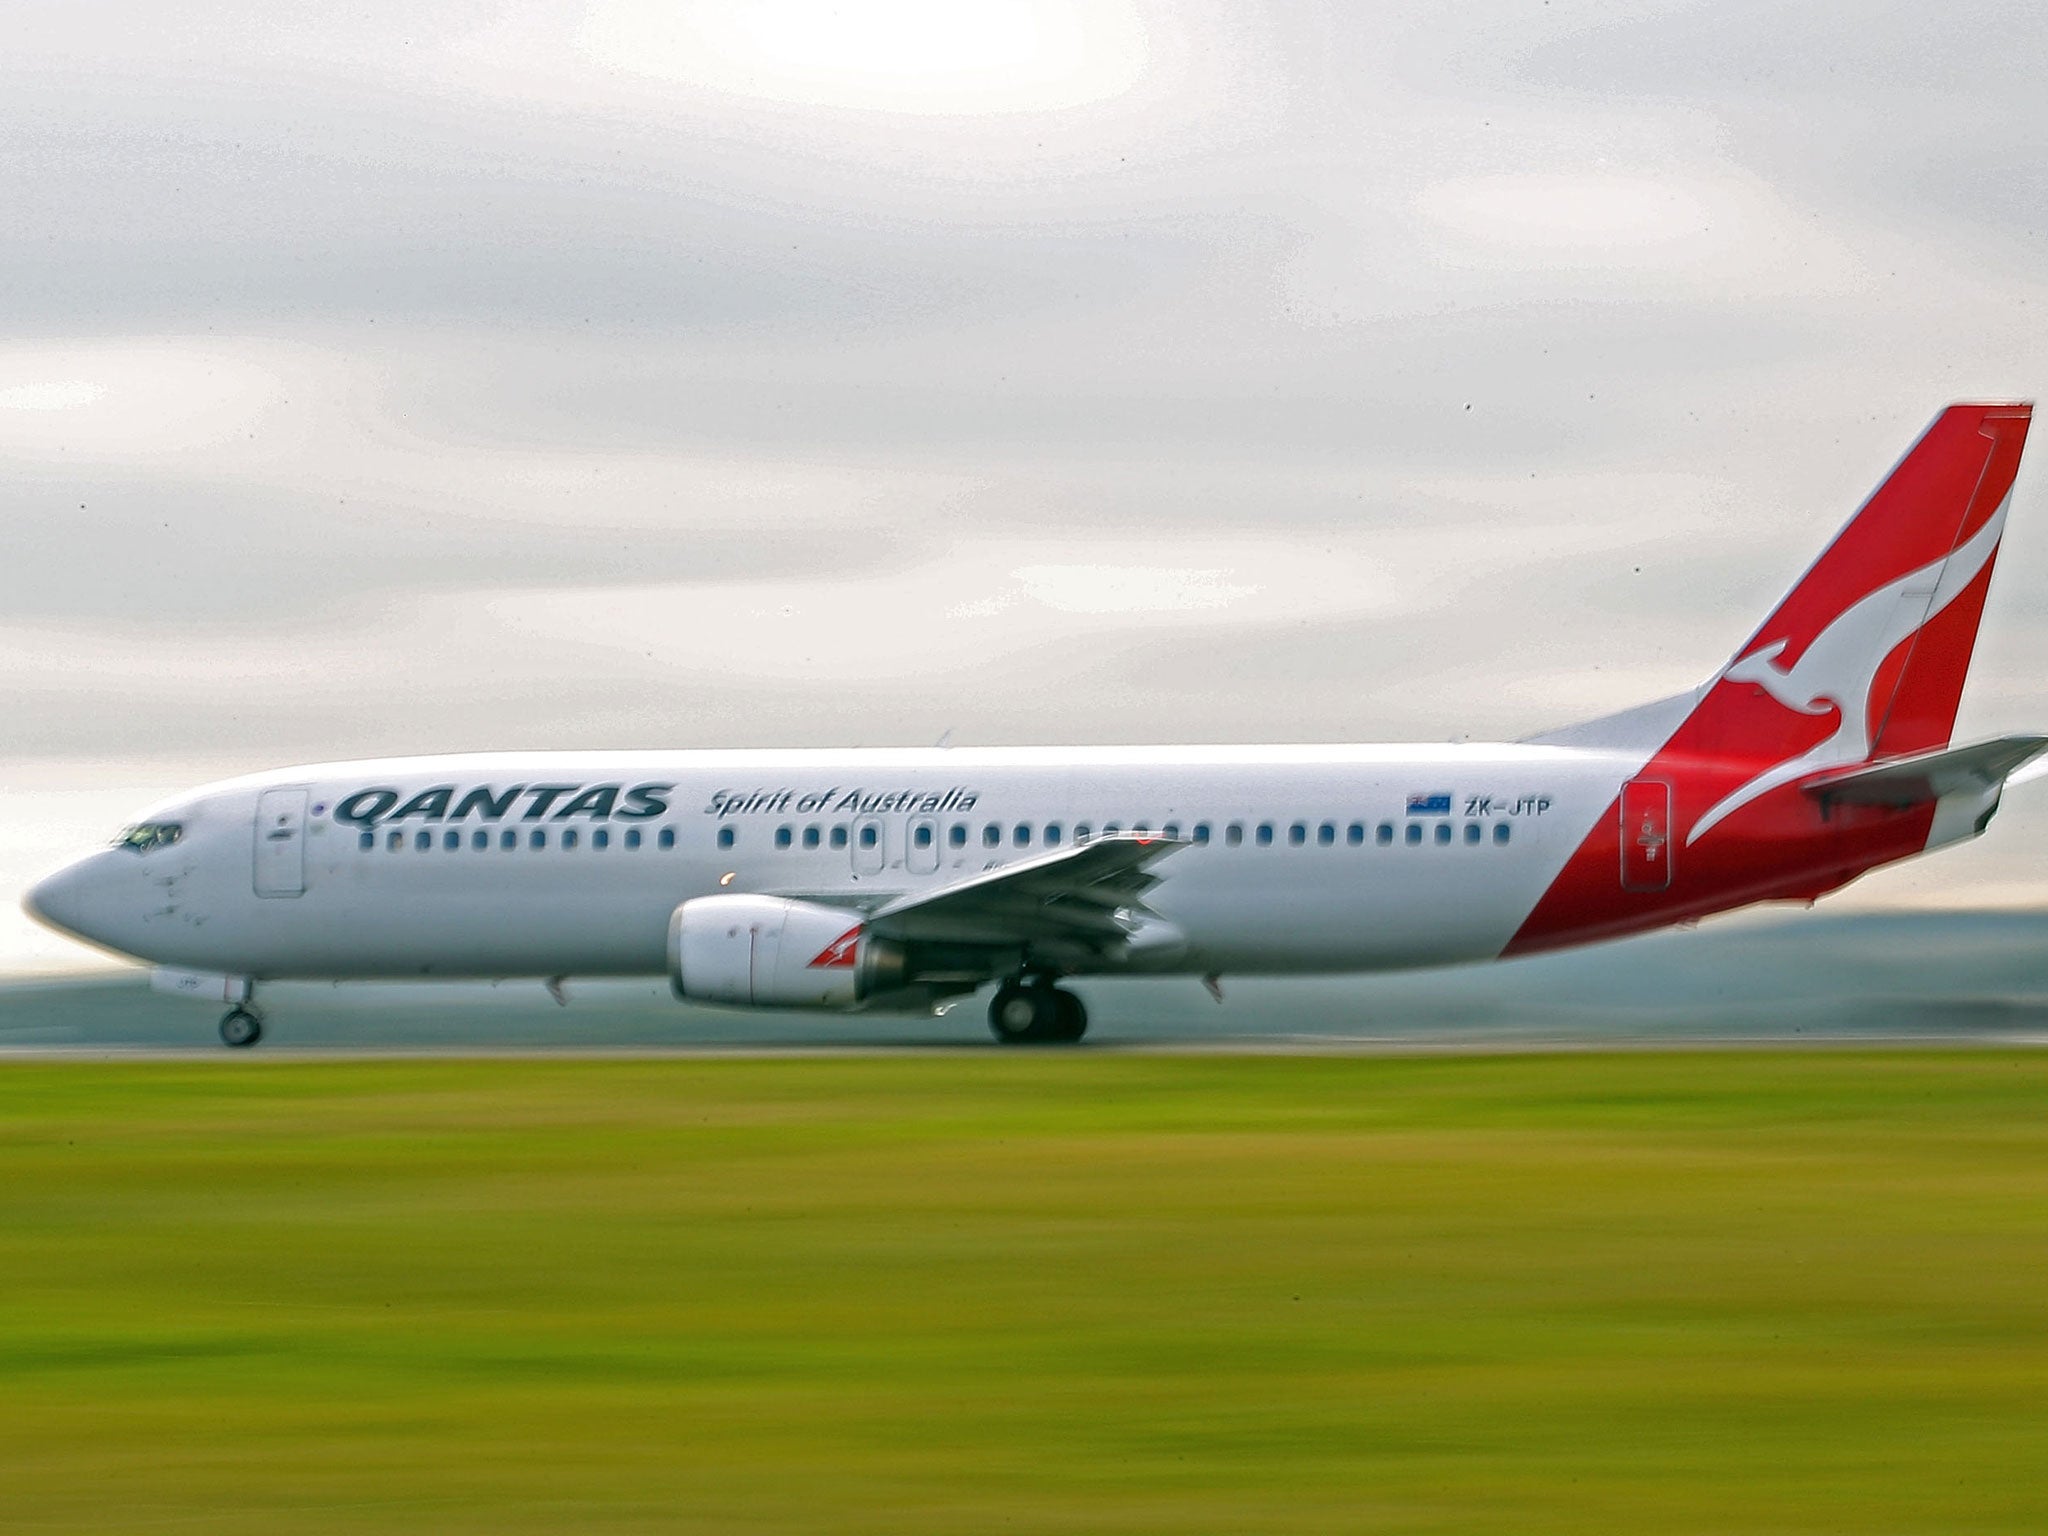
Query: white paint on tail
1839, 670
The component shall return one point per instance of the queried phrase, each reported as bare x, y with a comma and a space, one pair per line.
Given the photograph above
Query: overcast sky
801, 372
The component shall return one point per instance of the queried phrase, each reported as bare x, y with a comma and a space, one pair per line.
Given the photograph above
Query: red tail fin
1923, 681
1919, 555
1864, 659
1866, 655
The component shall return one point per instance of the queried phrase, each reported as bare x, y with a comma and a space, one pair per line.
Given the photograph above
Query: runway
1805, 978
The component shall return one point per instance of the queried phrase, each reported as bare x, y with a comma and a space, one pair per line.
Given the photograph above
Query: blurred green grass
1711, 1291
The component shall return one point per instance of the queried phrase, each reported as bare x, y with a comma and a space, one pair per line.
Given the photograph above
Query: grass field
1079, 1292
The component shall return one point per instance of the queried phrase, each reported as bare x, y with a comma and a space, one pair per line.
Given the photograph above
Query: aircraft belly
1371, 919
1344, 909
355, 935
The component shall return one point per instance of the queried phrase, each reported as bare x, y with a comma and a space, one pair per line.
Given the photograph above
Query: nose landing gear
1035, 1012
241, 1027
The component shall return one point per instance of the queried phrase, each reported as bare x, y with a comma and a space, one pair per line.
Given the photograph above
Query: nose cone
67, 901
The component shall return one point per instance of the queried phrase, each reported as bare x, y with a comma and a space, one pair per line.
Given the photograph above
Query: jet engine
771, 952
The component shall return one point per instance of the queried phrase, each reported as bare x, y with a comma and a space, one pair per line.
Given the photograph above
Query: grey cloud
1928, 114
176, 554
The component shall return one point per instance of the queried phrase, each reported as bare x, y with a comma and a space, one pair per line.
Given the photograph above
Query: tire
1023, 1015
240, 1029
1071, 1020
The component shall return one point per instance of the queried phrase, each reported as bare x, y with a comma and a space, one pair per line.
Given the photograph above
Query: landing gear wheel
1071, 1021
1022, 1014
1017, 1015
241, 1028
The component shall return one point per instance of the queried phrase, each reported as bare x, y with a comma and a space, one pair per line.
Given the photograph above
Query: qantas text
448, 802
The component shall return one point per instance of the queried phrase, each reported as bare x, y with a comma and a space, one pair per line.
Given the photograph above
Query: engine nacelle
771, 952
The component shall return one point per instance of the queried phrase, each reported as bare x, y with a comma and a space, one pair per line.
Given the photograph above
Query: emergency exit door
921, 848
281, 843
870, 846
1645, 835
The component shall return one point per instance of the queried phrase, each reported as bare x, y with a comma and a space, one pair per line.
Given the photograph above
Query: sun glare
913, 56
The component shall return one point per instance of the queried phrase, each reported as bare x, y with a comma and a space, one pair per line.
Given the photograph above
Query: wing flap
1090, 893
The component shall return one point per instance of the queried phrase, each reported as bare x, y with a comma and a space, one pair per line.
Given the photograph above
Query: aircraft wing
1924, 776
1090, 894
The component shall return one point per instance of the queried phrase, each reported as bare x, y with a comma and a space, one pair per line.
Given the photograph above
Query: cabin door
281, 843
1645, 835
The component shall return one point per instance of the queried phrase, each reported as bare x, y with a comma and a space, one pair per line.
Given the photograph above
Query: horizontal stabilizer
1926, 776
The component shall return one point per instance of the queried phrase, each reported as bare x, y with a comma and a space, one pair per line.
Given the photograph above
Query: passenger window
1021, 835
508, 840
600, 838
1109, 829
1201, 832
1326, 834
1500, 832
1264, 835
480, 840
1234, 833
538, 840
367, 841
568, 837
632, 837
1384, 833
422, 841
869, 836
1297, 834
395, 842
839, 837
782, 837
811, 838
1473, 832
725, 837
991, 836
1052, 834
667, 838
1081, 833
1142, 829
452, 840
1355, 834
956, 834
1414, 833
1171, 830
921, 834
1443, 832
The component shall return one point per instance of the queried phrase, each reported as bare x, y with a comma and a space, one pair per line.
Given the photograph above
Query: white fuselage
1299, 859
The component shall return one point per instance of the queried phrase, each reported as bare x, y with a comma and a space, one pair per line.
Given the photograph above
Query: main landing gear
241, 1027
1035, 1012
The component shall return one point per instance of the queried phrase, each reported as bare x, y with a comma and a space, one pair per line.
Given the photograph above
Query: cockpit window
146, 836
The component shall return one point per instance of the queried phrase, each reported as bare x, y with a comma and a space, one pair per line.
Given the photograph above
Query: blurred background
397, 379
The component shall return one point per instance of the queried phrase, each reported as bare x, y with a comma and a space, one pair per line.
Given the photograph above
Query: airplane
907, 879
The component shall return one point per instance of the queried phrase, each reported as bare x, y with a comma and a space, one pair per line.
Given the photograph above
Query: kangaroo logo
1839, 670
840, 952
